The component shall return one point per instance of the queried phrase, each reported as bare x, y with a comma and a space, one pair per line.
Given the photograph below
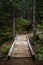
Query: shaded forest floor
21, 61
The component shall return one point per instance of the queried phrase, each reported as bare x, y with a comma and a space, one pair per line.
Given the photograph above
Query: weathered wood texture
20, 47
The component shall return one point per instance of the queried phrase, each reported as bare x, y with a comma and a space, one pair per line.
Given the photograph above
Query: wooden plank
21, 53
21, 48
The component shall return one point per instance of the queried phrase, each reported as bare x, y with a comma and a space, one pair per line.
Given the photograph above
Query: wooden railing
30, 47
12, 47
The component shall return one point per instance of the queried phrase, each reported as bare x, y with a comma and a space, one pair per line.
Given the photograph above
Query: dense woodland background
21, 12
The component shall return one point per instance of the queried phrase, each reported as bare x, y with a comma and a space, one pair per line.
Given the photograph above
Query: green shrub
22, 24
40, 53
5, 49
6, 36
40, 50
40, 56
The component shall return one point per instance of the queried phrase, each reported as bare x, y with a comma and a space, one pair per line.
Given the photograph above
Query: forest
20, 16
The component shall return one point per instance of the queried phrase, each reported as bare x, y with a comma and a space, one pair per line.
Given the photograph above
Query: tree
34, 21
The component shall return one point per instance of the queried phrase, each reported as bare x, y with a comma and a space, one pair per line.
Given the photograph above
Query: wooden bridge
21, 47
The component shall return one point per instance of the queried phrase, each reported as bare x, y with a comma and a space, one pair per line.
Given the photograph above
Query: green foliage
40, 50
39, 26
5, 50
38, 46
41, 38
1, 42
40, 53
22, 21
5, 21
5, 37
22, 24
40, 56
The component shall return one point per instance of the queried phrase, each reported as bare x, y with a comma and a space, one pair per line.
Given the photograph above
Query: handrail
11, 49
30, 47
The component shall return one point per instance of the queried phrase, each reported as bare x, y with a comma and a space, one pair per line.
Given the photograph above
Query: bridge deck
21, 48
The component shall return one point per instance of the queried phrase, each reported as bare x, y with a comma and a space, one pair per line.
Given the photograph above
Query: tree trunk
34, 22
13, 24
